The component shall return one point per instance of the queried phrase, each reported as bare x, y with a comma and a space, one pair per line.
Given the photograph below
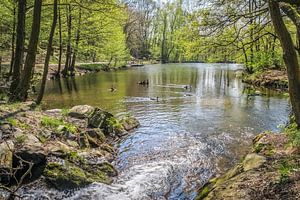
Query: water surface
185, 137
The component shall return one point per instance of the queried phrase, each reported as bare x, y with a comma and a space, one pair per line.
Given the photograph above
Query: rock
100, 119
6, 129
57, 148
66, 175
81, 111
253, 161
6, 161
130, 123
95, 137
53, 112
6, 154
83, 141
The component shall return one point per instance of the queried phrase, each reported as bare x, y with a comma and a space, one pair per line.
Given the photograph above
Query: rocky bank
64, 149
273, 79
270, 171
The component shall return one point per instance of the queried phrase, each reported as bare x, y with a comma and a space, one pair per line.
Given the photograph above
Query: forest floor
273, 79
62, 149
270, 171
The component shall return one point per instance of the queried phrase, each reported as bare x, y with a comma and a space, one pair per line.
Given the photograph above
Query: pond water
186, 137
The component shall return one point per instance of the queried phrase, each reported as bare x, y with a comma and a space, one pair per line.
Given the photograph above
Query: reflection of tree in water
70, 84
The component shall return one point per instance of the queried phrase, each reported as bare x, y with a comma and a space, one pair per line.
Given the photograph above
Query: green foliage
285, 169
294, 133
55, 123
21, 139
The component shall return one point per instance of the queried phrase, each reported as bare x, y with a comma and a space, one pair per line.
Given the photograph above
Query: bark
21, 93
60, 44
13, 42
48, 54
290, 57
19, 45
72, 68
68, 53
164, 45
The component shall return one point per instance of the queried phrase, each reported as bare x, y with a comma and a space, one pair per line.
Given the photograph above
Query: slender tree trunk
68, 53
21, 92
17, 64
290, 57
163, 45
60, 44
72, 68
48, 54
13, 38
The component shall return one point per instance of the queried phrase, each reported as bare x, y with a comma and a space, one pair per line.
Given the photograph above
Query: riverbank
61, 149
272, 79
270, 171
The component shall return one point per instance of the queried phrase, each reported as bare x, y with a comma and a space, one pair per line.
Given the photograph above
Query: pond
186, 136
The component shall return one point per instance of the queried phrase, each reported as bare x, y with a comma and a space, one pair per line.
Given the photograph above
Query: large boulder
63, 174
100, 119
81, 111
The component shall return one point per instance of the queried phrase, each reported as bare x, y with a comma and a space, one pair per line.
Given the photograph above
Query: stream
186, 137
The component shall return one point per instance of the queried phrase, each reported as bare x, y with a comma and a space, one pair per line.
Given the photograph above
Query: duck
112, 89
154, 99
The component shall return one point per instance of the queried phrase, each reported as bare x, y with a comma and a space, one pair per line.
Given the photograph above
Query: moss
55, 123
65, 176
17, 123
65, 112
203, 193
293, 133
21, 139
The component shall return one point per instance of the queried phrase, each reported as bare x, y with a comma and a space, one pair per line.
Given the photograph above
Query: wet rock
130, 123
66, 175
100, 119
81, 111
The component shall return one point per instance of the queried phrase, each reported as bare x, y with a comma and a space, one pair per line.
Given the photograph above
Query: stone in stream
100, 119
81, 111
129, 123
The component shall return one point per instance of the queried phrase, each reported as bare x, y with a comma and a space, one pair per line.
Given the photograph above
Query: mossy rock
100, 119
129, 123
67, 175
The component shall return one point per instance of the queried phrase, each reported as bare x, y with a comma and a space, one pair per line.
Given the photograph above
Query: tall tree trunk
60, 44
19, 45
290, 57
13, 38
72, 68
21, 92
48, 54
68, 53
164, 45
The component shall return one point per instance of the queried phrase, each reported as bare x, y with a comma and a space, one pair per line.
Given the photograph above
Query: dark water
185, 138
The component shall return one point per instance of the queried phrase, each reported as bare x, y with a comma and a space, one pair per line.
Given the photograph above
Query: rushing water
185, 138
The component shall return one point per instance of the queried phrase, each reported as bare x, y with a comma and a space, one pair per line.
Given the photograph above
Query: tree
48, 54
19, 45
21, 92
289, 51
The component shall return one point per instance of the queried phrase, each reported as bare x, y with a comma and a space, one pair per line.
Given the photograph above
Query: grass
17, 123
92, 67
55, 123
